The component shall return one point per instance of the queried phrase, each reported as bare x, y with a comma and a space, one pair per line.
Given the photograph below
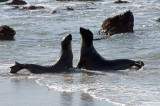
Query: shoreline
26, 92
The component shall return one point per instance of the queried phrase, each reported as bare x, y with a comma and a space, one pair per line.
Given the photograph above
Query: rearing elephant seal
63, 64
90, 59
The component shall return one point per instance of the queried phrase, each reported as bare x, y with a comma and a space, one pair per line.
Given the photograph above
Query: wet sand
26, 92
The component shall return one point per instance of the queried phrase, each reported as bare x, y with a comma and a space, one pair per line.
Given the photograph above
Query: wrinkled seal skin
121, 23
90, 59
63, 64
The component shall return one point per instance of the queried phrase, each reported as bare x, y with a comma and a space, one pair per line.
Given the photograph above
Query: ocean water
38, 37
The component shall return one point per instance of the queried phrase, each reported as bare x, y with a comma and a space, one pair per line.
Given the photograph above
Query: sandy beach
26, 92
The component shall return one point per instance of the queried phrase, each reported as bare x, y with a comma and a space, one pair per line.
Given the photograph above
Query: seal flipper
16, 67
80, 64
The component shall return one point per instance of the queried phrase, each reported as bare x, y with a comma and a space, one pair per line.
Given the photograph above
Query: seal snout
69, 37
86, 34
82, 29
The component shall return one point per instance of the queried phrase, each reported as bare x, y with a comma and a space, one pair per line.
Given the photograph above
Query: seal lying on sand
90, 59
63, 64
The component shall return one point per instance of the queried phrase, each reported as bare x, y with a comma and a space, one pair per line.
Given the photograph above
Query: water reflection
76, 99
66, 99
86, 100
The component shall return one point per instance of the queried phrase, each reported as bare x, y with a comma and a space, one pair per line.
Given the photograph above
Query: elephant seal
90, 59
63, 64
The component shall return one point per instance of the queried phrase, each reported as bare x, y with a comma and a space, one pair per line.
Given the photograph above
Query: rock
158, 19
53, 12
32, 7
6, 33
70, 8
3, 0
17, 2
119, 1
118, 24
64, 0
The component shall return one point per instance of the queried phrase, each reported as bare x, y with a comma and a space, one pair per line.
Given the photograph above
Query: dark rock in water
53, 12
32, 7
70, 8
119, 1
6, 33
3, 0
118, 24
17, 2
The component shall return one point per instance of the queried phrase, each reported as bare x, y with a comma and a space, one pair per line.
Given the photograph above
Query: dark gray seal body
90, 59
63, 64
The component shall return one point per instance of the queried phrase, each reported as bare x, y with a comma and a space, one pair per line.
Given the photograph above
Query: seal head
66, 42
87, 36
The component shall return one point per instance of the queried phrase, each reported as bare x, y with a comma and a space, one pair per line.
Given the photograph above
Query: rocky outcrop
17, 2
6, 33
54, 11
119, 1
32, 7
28, 7
3, 0
118, 24
70, 8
